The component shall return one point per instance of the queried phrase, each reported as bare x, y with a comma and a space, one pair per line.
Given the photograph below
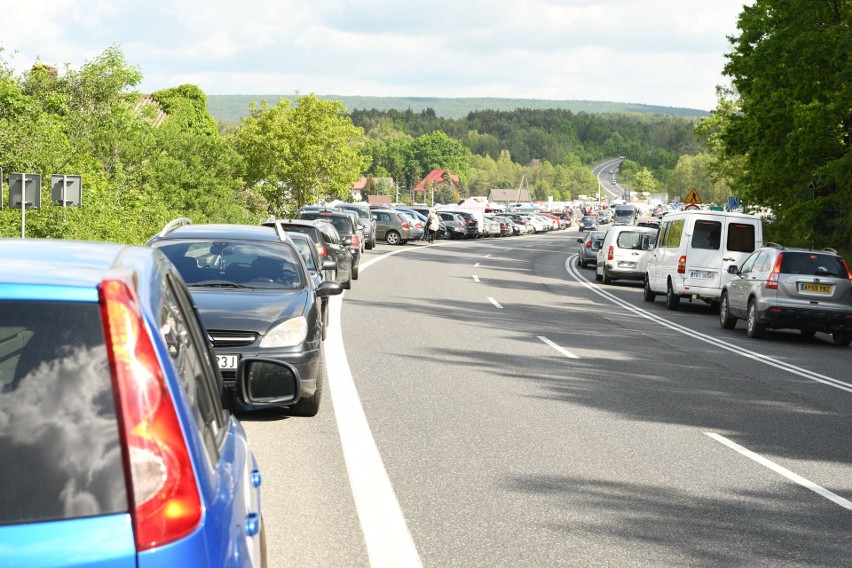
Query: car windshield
59, 437
589, 219
254, 264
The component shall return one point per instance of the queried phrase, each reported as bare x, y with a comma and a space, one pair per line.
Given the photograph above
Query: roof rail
282, 234
774, 245
174, 224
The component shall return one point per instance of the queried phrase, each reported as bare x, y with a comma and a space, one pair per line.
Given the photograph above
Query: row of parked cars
720, 258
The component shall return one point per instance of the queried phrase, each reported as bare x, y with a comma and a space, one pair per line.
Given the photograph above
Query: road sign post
24, 191
66, 190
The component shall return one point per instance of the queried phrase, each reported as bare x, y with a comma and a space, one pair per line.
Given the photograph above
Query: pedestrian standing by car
433, 223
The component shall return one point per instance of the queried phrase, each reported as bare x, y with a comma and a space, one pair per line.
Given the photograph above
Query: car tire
606, 278
598, 277
726, 320
580, 264
754, 328
842, 338
309, 406
355, 273
347, 285
672, 299
325, 319
393, 238
647, 294
809, 333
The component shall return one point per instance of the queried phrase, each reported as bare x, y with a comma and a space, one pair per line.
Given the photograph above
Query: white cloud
655, 52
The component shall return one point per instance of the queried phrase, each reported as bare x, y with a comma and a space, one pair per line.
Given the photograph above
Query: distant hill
231, 108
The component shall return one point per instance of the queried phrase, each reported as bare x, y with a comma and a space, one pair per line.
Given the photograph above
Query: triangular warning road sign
693, 197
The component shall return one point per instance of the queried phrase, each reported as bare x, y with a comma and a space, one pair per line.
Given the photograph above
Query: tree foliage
298, 153
790, 131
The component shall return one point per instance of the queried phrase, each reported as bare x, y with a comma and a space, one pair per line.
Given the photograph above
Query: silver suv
790, 288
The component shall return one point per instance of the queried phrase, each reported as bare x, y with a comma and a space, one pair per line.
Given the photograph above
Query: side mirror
347, 241
268, 382
328, 264
579, 240
329, 288
733, 269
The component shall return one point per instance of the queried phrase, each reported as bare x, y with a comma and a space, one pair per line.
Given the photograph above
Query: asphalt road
495, 406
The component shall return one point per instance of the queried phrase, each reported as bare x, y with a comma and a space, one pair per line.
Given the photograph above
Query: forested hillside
231, 108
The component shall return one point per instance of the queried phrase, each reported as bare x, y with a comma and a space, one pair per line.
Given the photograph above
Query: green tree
644, 182
790, 67
298, 153
437, 151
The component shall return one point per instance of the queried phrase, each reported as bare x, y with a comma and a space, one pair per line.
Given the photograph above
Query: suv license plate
702, 275
623, 264
818, 288
227, 362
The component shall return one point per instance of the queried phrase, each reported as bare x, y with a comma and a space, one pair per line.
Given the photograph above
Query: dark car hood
248, 310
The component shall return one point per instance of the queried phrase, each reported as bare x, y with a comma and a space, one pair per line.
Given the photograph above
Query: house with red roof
436, 177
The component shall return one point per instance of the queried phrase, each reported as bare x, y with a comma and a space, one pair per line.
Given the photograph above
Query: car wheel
309, 406
606, 278
647, 294
598, 277
842, 338
347, 285
324, 318
580, 264
393, 238
672, 299
726, 320
809, 333
355, 273
754, 328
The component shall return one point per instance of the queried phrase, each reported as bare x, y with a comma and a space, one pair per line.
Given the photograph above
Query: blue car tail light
166, 504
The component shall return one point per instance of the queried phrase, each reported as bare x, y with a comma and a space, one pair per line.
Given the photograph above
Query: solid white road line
476, 265
558, 348
386, 535
493, 301
807, 484
475, 278
488, 255
753, 355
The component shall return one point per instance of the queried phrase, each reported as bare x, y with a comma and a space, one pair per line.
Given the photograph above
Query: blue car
588, 223
118, 448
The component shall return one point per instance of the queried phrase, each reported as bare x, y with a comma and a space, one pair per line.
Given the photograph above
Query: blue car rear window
59, 440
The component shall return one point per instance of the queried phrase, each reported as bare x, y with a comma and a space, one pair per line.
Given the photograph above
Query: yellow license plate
818, 288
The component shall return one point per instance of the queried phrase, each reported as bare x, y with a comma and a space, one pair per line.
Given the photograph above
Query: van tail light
681, 265
165, 502
772, 281
355, 242
609, 253
321, 251
405, 225
588, 244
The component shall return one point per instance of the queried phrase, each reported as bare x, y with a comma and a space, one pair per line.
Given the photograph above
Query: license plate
818, 288
702, 275
227, 362
627, 265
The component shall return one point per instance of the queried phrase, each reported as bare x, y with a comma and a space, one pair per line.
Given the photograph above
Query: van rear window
707, 235
741, 237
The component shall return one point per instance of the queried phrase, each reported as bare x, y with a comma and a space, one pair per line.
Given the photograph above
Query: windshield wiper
217, 285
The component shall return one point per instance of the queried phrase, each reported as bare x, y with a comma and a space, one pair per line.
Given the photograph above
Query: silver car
392, 226
778, 288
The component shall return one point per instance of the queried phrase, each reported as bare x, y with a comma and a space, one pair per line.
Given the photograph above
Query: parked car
455, 225
315, 267
364, 217
790, 288
623, 253
694, 250
491, 227
392, 226
255, 297
474, 220
344, 224
589, 247
588, 223
418, 223
118, 442
329, 246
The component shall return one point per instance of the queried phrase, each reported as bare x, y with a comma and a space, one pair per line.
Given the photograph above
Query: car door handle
728, 259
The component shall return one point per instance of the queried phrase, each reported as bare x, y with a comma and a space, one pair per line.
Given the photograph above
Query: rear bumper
778, 317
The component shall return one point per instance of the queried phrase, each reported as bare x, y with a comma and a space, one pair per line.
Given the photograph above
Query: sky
656, 52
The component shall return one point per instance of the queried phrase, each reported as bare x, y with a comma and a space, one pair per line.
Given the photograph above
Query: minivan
693, 252
624, 253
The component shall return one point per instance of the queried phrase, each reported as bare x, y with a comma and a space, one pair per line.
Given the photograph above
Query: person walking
433, 223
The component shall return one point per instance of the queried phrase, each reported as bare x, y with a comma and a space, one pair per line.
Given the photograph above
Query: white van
624, 253
693, 252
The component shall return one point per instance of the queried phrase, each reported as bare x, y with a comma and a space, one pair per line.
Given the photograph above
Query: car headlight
286, 334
